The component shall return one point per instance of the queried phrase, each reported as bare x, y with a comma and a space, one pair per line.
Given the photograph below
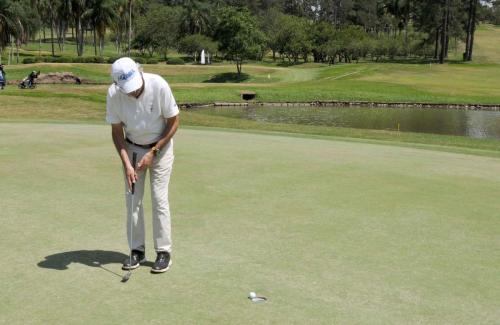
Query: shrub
112, 59
177, 61
29, 60
152, 61
139, 60
78, 59
60, 59
94, 59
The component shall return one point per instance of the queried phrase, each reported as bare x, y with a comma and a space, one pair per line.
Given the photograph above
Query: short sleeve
168, 105
112, 110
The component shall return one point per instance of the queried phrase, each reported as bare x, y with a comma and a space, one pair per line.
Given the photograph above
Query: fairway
330, 231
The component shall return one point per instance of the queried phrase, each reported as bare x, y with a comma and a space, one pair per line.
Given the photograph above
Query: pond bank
334, 103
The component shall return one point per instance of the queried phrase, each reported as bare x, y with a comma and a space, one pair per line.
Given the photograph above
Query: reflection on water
475, 124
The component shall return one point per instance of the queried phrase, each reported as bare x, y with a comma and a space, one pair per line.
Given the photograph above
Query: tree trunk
447, 46
444, 33
39, 45
63, 35
79, 36
473, 30
129, 26
17, 50
469, 30
52, 36
95, 43
238, 66
436, 45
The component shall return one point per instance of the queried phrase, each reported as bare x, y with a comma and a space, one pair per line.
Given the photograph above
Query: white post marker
202, 57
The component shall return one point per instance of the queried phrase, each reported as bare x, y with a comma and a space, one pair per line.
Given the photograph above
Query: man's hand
146, 161
131, 176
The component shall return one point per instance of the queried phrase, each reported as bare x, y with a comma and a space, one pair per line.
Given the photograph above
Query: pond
474, 124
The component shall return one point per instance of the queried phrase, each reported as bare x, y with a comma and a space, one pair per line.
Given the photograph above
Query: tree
101, 15
77, 9
48, 12
18, 20
293, 37
63, 17
270, 24
9, 24
158, 30
238, 36
197, 17
321, 34
194, 44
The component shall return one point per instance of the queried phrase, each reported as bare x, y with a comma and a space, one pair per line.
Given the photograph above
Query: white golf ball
252, 295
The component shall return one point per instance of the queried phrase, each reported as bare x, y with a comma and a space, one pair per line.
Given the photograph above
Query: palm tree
197, 17
101, 14
47, 11
119, 25
11, 26
63, 15
77, 9
7, 23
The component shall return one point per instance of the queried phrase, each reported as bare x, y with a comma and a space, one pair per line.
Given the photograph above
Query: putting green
329, 231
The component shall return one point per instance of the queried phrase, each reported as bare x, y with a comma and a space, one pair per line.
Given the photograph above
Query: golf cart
29, 81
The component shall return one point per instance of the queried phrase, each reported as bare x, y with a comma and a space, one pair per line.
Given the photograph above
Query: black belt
144, 146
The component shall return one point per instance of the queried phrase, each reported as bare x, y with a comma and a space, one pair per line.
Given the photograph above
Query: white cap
126, 75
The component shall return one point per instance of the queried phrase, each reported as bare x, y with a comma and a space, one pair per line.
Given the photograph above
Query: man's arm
119, 141
171, 125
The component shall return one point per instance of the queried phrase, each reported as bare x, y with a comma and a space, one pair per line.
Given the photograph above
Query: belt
144, 146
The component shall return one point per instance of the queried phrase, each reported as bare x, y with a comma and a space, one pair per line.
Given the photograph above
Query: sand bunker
58, 78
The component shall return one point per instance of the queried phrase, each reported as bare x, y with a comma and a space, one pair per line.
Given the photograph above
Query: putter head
126, 277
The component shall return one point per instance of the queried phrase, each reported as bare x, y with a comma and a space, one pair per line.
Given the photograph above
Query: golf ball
252, 295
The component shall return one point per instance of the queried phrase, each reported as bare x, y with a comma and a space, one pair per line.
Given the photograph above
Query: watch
155, 150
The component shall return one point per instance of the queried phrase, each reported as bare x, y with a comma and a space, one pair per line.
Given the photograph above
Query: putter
127, 275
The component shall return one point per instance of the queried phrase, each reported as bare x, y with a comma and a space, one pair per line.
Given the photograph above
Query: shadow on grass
416, 61
285, 64
228, 77
92, 258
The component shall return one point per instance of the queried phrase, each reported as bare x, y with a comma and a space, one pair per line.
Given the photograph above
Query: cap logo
126, 76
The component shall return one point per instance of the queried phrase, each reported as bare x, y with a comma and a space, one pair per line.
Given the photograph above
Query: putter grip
134, 161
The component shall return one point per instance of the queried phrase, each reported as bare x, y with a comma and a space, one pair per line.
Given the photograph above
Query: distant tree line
292, 30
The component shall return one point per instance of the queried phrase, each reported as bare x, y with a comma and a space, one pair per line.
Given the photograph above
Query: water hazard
474, 124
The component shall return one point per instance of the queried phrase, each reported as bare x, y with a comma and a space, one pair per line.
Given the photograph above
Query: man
144, 118
3, 80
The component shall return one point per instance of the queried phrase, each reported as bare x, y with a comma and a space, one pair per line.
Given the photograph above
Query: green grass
385, 82
330, 231
86, 105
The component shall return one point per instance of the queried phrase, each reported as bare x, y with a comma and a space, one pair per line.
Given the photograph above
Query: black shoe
137, 258
162, 262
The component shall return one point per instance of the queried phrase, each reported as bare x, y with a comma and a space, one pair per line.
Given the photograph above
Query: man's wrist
155, 150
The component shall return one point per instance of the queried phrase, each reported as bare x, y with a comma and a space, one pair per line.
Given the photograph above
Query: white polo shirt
143, 118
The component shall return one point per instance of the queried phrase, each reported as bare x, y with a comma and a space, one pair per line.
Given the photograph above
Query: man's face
137, 92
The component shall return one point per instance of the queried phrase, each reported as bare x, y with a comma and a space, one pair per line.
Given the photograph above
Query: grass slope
330, 231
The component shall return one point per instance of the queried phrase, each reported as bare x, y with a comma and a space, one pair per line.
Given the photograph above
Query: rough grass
486, 42
329, 231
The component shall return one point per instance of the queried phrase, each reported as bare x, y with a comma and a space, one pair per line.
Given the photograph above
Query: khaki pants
159, 175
